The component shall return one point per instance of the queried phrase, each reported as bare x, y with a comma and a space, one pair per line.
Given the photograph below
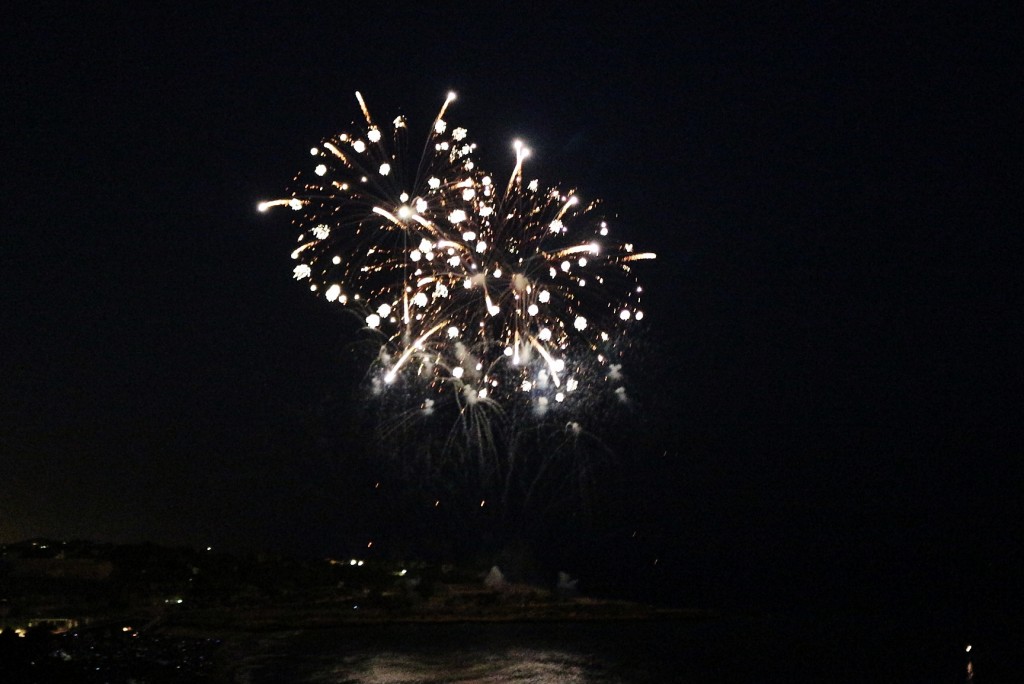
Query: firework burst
500, 298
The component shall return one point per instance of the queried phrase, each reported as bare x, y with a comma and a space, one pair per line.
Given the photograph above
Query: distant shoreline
289, 618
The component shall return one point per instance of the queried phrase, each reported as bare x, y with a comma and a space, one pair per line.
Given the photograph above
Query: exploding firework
500, 299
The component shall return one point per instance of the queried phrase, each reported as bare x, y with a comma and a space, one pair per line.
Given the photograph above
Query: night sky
829, 387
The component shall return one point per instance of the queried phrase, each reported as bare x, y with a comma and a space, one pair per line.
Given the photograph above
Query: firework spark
506, 294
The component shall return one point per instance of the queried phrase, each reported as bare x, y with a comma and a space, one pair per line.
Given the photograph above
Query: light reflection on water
812, 649
516, 665
463, 653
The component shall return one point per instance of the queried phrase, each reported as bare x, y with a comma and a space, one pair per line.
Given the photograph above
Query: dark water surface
724, 650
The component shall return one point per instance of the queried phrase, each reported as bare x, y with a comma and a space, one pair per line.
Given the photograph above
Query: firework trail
502, 299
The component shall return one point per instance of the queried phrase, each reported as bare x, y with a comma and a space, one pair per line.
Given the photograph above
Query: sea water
740, 649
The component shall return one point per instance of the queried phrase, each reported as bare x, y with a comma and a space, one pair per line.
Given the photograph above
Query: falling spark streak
571, 202
362, 106
263, 206
388, 215
417, 345
640, 257
447, 101
591, 248
547, 357
517, 172
436, 245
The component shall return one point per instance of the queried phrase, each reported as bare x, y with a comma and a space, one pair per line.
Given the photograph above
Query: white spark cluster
482, 292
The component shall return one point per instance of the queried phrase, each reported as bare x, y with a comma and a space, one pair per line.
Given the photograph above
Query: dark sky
831, 382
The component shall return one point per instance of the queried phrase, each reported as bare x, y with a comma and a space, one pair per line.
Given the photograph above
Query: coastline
205, 622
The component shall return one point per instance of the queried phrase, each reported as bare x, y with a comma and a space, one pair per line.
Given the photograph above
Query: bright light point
415, 255
555, 226
468, 194
313, 151
559, 397
469, 236
526, 386
372, 321
544, 334
571, 384
420, 299
624, 314
384, 310
321, 169
565, 266
533, 309
558, 365
457, 372
453, 332
544, 297
457, 216
332, 293
604, 230
454, 261
426, 245
321, 232
639, 315
385, 169
434, 183
481, 247
373, 134
493, 309
359, 146
301, 272
404, 212
439, 126
582, 262
508, 351
295, 204
421, 205
336, 260
389, 377
580, 323
497, 273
